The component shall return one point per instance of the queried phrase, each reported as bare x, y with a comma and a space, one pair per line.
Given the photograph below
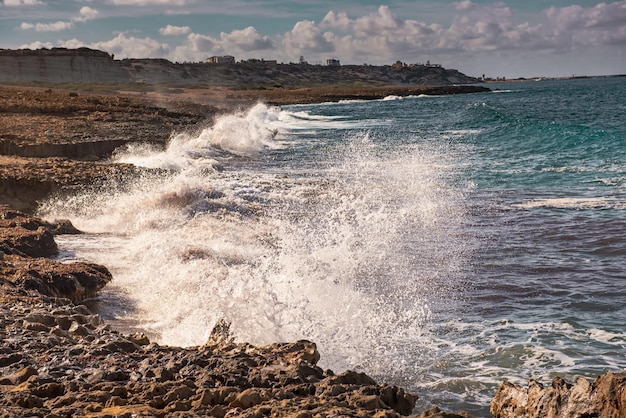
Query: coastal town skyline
505, 38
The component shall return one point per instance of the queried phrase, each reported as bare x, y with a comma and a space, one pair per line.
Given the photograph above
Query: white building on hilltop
225, 59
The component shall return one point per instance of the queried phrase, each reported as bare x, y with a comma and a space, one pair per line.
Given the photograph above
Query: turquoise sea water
441, 243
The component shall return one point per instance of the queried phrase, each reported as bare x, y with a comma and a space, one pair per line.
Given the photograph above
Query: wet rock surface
26, 245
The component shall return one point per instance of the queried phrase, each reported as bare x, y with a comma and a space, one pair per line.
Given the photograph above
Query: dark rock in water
65, 227
25, 235
19, 239
604, 398
75, 281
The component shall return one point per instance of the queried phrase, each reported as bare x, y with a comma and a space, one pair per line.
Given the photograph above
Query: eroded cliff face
60, 66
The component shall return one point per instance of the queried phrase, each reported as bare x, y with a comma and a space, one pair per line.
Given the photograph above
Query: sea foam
348, 256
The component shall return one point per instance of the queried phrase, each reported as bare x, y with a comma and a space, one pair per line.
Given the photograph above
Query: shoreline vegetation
58, 358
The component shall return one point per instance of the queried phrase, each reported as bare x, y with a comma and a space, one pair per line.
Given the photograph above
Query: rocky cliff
60, 66
83, 65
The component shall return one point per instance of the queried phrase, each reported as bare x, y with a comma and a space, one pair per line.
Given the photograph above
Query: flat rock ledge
59, 359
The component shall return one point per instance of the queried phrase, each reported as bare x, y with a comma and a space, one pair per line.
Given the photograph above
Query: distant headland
84, 65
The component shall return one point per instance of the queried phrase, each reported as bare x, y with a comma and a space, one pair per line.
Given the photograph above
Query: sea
441, 243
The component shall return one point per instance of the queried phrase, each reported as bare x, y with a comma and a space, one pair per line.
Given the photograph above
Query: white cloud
47, 27
246, 40
149, 2
464, 5
124, 47
86, 13
244, 43
37, 45
599, 25
305, 37
170, 30
203, 43
18, 3
476, 32
475, 28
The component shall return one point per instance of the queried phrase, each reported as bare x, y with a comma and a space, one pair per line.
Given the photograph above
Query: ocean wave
574, 203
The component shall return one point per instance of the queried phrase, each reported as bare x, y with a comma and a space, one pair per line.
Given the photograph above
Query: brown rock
75, 281
17, 238
250, 397
395, 397
605, 398
22, 375
48, 390
435, 412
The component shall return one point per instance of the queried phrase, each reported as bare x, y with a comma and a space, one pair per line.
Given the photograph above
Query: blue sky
511, 38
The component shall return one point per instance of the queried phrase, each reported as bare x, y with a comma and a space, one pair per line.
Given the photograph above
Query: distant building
256, 61
331, 62
225, 59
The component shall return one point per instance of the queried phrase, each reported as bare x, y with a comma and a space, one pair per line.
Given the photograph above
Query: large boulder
75, 281
26, 243
24, 235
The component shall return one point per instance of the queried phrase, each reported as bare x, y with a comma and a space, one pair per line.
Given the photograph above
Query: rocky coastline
58, 358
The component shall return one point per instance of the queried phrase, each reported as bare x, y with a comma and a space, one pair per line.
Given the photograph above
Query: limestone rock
604, 398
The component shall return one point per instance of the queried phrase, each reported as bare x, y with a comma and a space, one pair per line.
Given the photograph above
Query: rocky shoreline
58, 358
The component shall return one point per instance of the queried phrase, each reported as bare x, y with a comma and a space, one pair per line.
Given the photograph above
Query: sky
510, 38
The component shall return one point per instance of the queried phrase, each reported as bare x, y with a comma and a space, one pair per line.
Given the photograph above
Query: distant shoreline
228, 98
83, 65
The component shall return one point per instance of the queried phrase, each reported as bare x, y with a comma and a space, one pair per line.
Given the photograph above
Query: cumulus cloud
246, 40
244, 43
170, 30
86, 13
475, 28
602, 24
464, 5
306, 37
47, 27
203, 43
37, 45
123, 46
